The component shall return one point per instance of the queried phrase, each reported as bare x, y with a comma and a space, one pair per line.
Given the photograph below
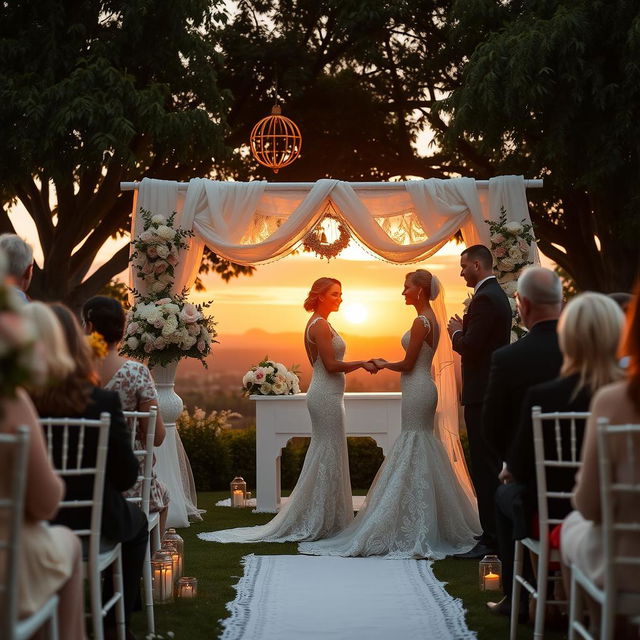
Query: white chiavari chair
12, 513
68, 441
563, 457
145, 456
612, 601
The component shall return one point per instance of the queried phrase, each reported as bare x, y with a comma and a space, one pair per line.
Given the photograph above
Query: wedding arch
254, 223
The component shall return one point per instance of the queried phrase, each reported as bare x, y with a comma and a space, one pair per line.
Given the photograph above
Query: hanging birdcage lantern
275, 141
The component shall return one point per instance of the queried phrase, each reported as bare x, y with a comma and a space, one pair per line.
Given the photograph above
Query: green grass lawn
218, 568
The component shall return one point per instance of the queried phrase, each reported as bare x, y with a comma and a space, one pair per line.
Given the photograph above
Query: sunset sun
355, 312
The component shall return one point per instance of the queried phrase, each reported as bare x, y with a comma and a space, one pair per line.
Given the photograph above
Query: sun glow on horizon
354, 312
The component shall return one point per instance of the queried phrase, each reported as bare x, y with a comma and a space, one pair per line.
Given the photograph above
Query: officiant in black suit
486, 327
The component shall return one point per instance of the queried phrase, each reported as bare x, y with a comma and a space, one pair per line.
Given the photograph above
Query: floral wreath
313, 240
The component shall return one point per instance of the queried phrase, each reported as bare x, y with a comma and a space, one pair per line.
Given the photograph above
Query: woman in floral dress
133, 382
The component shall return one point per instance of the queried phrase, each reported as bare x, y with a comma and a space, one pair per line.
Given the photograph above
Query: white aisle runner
310, 597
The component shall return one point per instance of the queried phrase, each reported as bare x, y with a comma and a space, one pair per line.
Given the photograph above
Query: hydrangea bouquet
511, 247
162, 327
269, 378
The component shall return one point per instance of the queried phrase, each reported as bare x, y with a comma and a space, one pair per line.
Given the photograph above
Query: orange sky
272, 298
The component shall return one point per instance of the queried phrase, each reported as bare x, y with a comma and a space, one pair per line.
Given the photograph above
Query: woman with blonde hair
419, 505
49, 556
320, 504
582, 537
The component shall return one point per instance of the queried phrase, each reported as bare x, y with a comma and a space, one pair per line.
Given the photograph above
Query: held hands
455, 324
378, 363
370, 367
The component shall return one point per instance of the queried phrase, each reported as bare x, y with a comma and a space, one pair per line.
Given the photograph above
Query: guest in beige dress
50, 556
581, 540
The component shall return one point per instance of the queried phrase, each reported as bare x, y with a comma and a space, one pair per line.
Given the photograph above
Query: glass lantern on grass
238, 492
170, 547
490, 573
186, 588
162, 573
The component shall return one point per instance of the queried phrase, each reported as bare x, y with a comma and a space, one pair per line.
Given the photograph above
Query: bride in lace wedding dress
320, 504
421, 503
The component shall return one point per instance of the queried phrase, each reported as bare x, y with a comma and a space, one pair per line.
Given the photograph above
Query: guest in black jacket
78, 396
589, 333
486, 326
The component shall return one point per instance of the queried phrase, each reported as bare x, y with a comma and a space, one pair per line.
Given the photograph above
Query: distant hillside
237, 353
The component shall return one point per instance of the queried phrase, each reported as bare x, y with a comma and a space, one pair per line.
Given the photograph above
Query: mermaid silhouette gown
415, 507
320, 504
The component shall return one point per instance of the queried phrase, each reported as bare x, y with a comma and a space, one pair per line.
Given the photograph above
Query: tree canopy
99, 92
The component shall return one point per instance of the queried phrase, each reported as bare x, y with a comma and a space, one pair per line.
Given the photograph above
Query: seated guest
49, 556
77, 396
588, 334
581, 540
131, 380
19, 269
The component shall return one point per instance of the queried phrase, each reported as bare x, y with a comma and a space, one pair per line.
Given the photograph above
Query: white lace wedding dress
320, 504
416, 507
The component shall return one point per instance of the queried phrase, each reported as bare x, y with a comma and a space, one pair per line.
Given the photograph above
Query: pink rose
172, 259
148, 346
160, 343
201, 345
190, 313
152, 252
498, 238
132, 328
147, 268
500, 252
160, 267
162, 301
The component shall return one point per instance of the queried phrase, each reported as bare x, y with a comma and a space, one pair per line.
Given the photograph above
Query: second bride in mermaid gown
421, 503
320, 504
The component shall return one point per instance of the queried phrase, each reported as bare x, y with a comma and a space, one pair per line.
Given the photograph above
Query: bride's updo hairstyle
318, 288
423, 279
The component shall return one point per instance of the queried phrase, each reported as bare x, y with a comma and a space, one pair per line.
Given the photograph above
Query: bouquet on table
511, 248
162, 327
269, 378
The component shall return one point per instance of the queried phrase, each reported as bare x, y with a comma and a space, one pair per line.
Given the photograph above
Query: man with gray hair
534, 359
19, 263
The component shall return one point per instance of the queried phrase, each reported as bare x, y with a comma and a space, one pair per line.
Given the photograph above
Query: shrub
201, 435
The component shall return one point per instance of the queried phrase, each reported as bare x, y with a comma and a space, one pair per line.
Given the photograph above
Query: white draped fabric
249, 224
254, 223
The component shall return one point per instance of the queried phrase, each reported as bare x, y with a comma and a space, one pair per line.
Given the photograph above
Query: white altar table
280, 418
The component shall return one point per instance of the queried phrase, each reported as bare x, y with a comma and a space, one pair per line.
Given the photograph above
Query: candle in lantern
491, 582
187, 588
170, 547
162, 575
490, 571
238, 492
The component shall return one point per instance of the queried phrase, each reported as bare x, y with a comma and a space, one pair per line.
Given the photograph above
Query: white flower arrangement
269, 378
162, 327
511, 247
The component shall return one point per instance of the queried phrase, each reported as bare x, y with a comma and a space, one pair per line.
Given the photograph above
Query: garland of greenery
328, 250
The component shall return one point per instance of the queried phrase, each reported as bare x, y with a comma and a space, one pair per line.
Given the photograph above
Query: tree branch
106, 272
